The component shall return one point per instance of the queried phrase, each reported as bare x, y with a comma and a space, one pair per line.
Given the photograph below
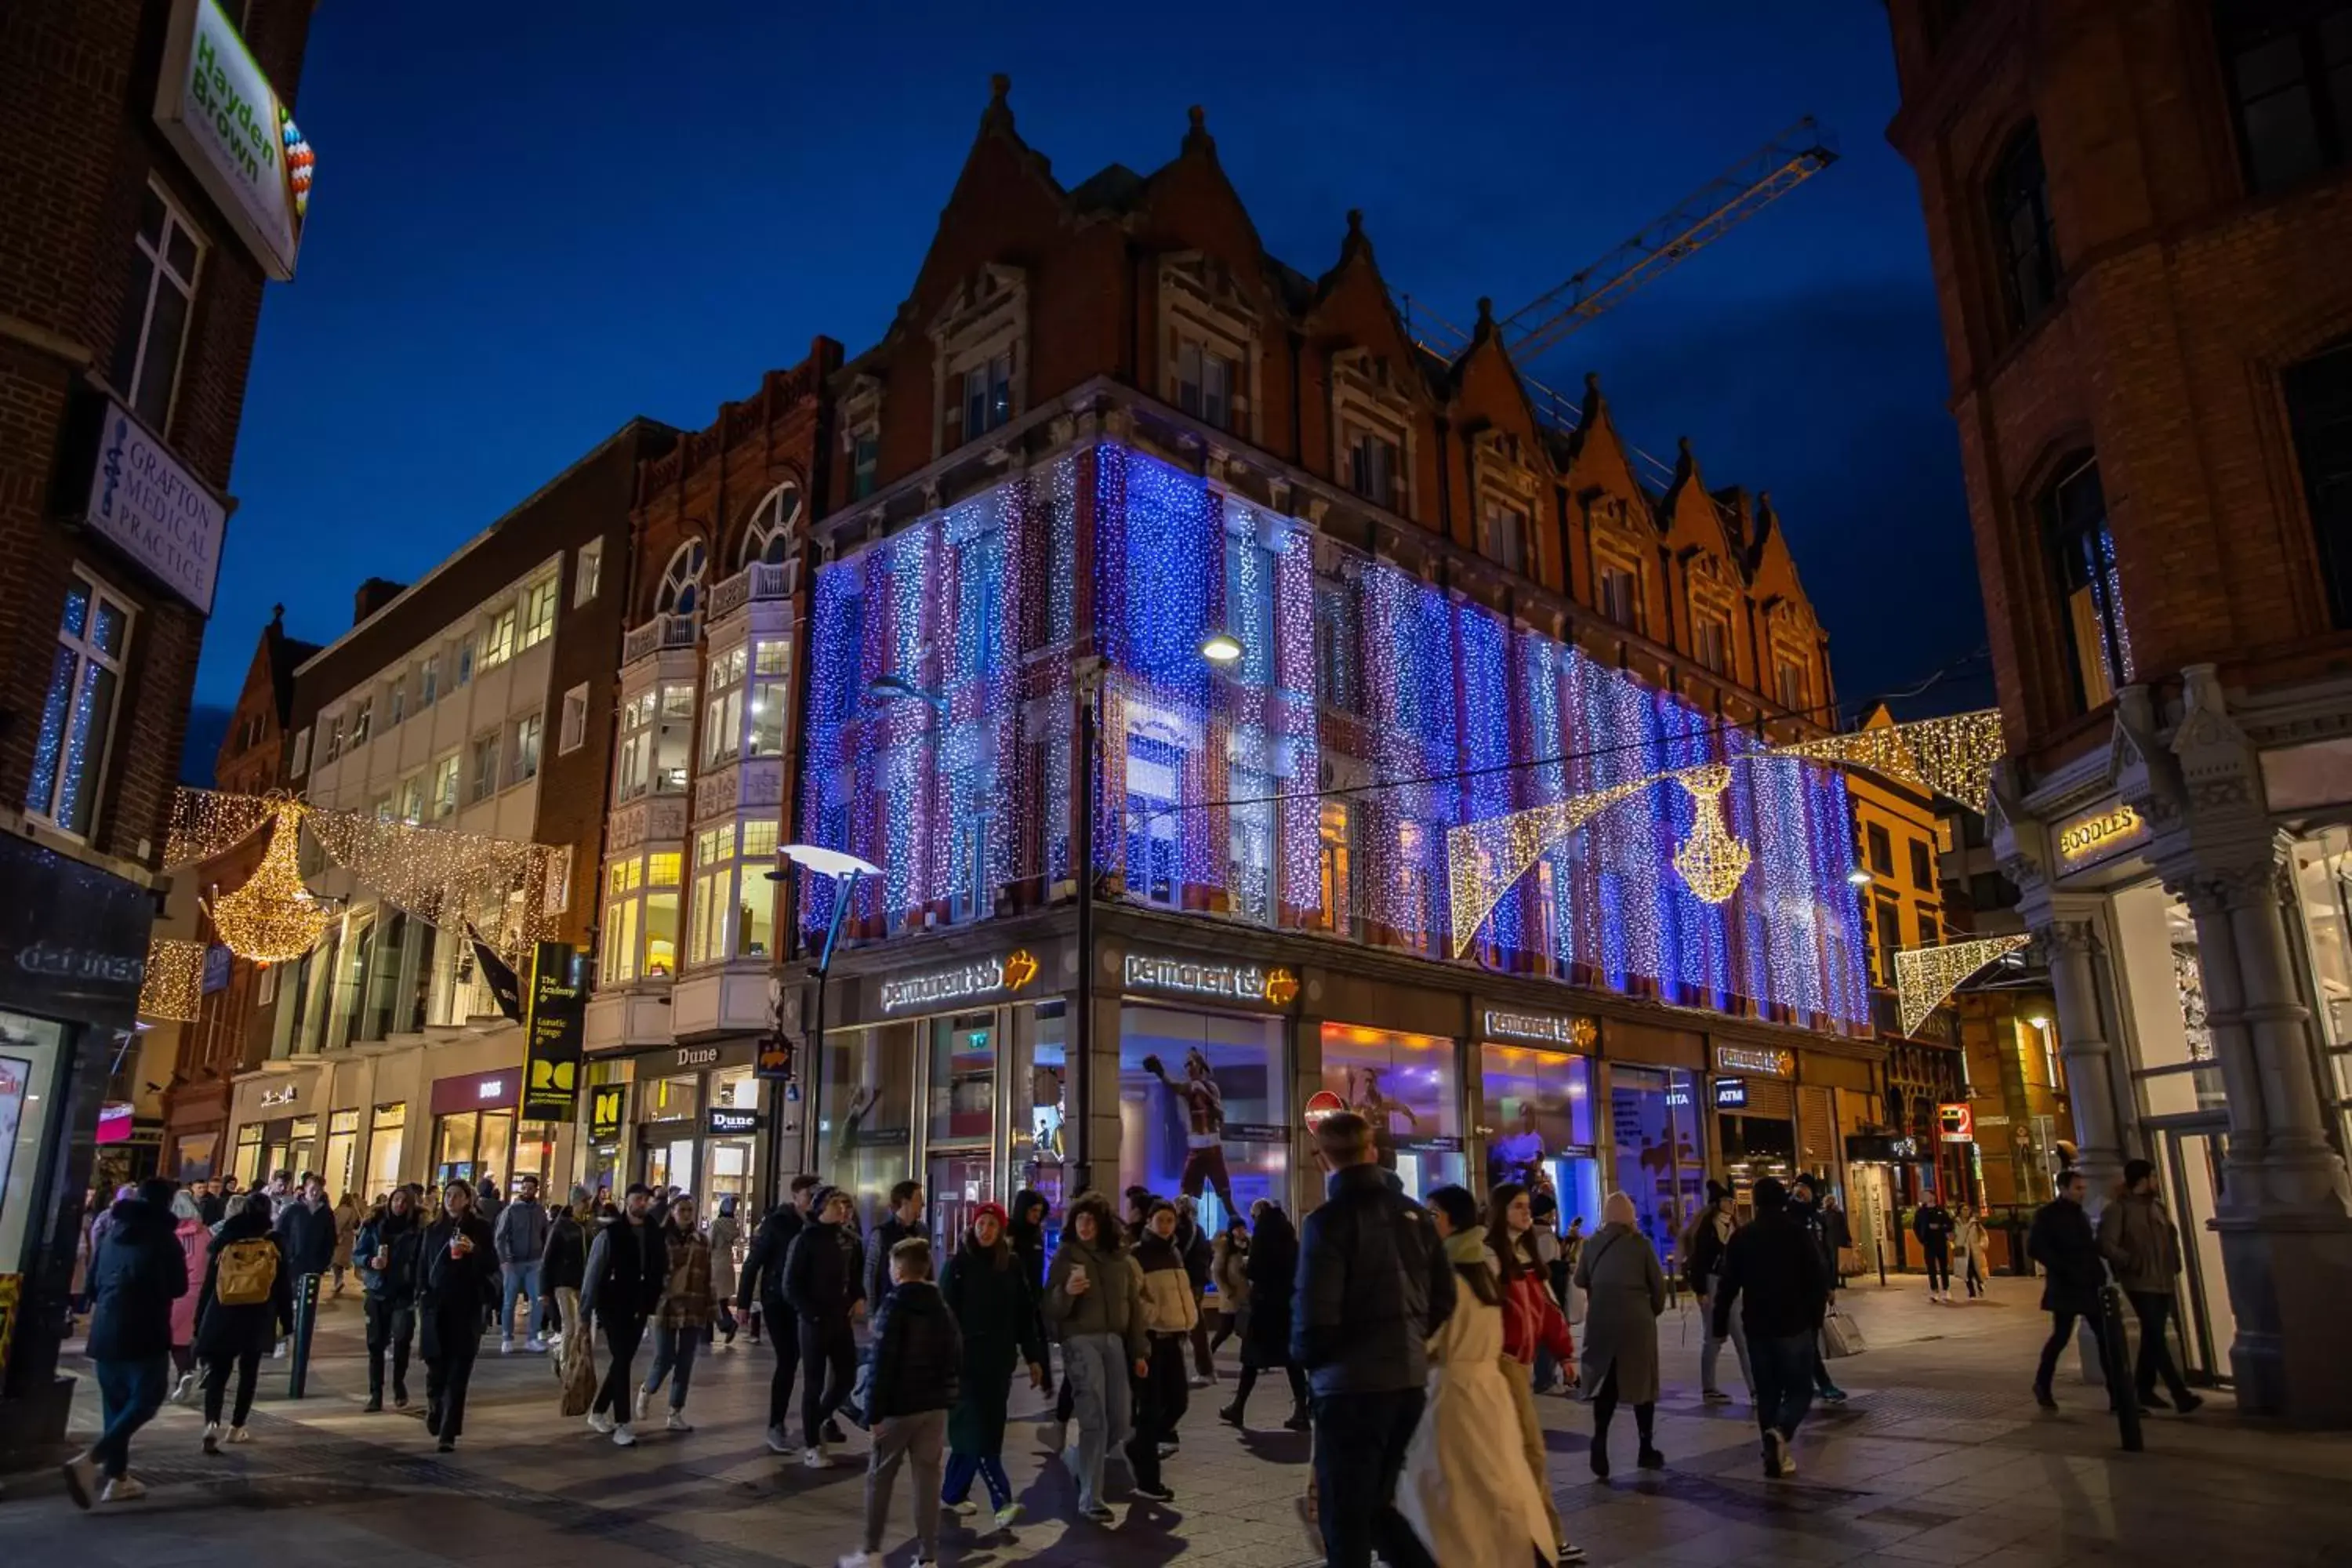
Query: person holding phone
1094, 1297
457, 1268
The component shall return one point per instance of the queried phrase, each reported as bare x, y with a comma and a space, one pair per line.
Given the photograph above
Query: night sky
535, 220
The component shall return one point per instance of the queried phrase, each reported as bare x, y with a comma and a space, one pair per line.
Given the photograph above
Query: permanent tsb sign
221, 115
1260, 984
981, 977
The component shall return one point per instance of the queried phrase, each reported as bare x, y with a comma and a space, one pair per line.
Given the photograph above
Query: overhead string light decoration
1711, 860
1924, 977
174, 982
1953, 756
273, 917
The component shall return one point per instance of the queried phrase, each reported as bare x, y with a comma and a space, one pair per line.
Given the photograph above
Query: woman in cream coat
1465, 1489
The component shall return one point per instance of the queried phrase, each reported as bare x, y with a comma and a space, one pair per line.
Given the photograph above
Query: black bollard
2116, 1364
306, 1317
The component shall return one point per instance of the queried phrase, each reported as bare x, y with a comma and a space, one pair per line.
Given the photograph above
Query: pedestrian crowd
1415, 1336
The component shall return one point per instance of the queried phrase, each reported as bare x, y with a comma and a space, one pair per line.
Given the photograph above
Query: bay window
722, 713
755, 903
771, 694
714, 895
78, 715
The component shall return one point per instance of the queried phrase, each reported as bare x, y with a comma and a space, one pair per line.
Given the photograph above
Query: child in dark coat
917, 1357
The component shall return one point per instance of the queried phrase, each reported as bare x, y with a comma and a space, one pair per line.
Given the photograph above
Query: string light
1924, 977
174, 988
1711, 860
271, 917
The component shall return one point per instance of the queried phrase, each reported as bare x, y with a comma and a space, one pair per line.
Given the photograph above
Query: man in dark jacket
903, 1222
212, 1204
1775, 1271
1807, 1210
563, 1263
1932, 1224
307, 1228
519, 1236
2141, 1243
386, 1253
138, 1272
822, 1284
2063, 1242
1374, 1283
628, 1266
763, 1280
916, 1358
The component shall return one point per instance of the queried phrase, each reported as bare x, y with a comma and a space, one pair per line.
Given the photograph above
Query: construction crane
1707, 215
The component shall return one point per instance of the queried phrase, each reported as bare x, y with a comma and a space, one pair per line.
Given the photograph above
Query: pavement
1940, 1457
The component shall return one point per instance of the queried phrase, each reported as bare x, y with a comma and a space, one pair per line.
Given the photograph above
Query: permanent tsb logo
1274, 986
982, 977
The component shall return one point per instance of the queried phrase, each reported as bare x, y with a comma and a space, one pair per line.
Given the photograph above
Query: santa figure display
1204, 1125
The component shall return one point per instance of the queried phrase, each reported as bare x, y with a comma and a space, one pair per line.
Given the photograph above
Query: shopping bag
1840, 1337
579, 1379
1849, 1262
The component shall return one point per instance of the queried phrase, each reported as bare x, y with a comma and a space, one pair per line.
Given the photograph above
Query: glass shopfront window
669, 1121
1203, 1108
248, 1169
1409, 1088
1539, 1106
384, 1149
30, 1049
342, 1153
468, 1144
1659, 1160
962, 1083
865, 1113
729, 1162
1039, 1084
2156, 948
2323, 879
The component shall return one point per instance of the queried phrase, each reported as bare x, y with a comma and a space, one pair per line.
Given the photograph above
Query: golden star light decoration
1924, 977
1952, 756
509, 889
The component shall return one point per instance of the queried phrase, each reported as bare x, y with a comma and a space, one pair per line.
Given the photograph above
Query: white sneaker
535, 1346
123, 1488
644, 1402
1007, 1515
623, 1438
858, 1560
816, 1458
600, 1423
964, 1510
186, 1390
212, 1437
676, 1422
778, 1443
506, 1347
239, 1434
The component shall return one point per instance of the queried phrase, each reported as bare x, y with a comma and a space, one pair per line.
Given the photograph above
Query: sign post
306, 1320
553, 1028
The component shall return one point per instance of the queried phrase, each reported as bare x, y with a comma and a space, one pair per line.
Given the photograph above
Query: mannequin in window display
1379, 1109
1517, 1155
1046, 1110
1205, 1126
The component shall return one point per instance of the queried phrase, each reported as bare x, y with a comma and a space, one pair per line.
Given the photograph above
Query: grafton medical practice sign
220, 113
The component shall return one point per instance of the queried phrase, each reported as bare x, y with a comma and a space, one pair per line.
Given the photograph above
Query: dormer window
978, 360
1711, 640
1618, 588
988, 395
1505, 540
1507, 493
1373, 467
1205, 380
1208, 327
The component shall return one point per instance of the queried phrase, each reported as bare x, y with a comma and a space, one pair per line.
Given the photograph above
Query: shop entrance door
2188, 1161
955, 1183
670, 1162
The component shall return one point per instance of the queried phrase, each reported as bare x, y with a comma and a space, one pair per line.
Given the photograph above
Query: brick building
151, 185
709, 675
1128, 511
2137, 213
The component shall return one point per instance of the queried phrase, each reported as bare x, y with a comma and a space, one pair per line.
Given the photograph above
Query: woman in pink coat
195, 1240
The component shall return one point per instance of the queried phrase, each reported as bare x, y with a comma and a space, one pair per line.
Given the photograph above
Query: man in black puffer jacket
1374, 1283
917, 1361
763, 1280
138, 1273
822, 1284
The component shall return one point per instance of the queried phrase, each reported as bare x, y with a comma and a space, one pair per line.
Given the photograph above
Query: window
661, 915
1372, 468
988, 395
485, 766
864, 463
411, 799
1882, 850
499, 639
722, 716
1506, 537
1334, 646
755, 903
1621, 594
78, 714
428, 681
714, 895
575, 719
1923, 866
399, 700
635, 775
1890, 938
2074, 513
1931, 934
363, 722
384, 808
526, 748
301, 761
539, 611
2022, 237
464, 660
768, 539
1790, 686
445, 787
589, 572
1337, 852
1711, 639
771, 692
2319, 415
1204, 380
156, 306
334, 747
2291, 86
681, 584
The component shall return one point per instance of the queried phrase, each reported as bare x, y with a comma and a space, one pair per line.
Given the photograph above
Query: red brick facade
2182, 293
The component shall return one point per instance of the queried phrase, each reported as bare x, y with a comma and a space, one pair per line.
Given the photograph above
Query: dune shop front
698, 1110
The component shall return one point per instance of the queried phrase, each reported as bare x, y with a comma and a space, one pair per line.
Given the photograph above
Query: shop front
278, 1115
474, 1134
1538, 1119
697, 1121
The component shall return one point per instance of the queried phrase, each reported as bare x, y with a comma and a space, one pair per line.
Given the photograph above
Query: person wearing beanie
989, 1290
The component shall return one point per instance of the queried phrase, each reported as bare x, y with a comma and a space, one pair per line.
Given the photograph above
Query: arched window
2023, 236
681, 584
2074, 513
771, 537
2319, 413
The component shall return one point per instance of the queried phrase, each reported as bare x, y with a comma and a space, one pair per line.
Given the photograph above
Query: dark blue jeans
1359, 1446
1784, 1380
130, 1393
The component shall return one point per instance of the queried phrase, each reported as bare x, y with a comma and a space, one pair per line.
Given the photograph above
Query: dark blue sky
534, 220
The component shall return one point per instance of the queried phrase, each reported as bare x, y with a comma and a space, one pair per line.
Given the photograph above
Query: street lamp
1858, 877
844, 868
1221, 646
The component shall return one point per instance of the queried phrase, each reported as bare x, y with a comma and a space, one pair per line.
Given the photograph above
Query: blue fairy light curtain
954, 773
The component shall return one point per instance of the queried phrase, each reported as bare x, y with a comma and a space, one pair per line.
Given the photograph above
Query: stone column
2083, 1046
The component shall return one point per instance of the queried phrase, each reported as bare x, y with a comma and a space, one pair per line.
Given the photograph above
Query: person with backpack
386, 1253
248, 1302
457, 1272
1168, 1318
1710, 1233
136, 1274
1777, 1275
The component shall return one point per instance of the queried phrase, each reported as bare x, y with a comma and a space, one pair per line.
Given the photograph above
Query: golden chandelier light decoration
1952, 756
1711, 860
174, 982
1924, 977
272, 917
